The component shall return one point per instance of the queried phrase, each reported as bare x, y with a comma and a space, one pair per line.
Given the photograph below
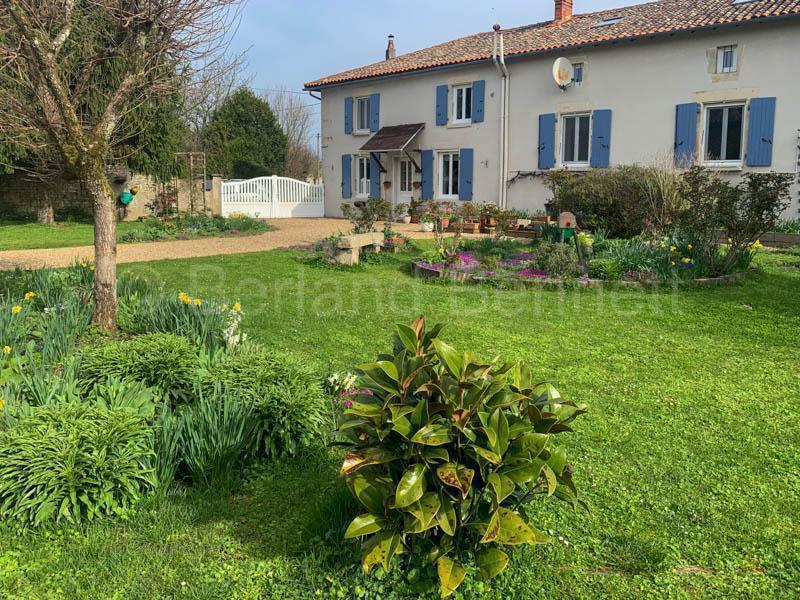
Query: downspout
499, 60
506, 123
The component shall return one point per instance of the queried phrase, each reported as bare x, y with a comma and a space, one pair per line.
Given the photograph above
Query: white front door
404, 178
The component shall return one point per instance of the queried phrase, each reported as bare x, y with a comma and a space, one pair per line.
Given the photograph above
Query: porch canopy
393, 139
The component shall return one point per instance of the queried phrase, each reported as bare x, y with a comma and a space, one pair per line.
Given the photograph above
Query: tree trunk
105, 247
44, 212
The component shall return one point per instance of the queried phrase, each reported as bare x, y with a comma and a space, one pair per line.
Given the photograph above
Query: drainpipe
499, 60
506, 121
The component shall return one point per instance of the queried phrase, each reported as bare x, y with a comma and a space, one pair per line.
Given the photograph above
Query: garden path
290, 233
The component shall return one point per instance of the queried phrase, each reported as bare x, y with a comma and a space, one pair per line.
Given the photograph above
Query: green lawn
688, 458
28, 236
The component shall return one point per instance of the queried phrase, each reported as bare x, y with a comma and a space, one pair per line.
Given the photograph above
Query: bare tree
211, 84
296, 118
53, 56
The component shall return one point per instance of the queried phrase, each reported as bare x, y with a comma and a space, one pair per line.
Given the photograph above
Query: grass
689, 456
15, 235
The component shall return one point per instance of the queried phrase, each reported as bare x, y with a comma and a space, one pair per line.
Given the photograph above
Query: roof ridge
647, 19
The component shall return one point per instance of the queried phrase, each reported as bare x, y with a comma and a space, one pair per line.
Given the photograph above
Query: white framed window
362, 114
577, 79
724, 134
406, 177
449, 163
462, 104
575, 132
728, 59
363, 176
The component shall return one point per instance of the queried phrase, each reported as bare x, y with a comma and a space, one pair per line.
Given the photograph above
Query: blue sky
294, 42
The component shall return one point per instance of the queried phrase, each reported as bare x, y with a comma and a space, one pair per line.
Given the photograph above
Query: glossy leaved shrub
446, 450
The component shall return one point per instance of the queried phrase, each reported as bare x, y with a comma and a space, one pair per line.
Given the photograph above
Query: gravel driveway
290, 233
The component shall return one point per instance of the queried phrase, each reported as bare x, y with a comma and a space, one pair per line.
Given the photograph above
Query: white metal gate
273, 198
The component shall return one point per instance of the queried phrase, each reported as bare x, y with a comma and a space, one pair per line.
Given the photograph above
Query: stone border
462, 277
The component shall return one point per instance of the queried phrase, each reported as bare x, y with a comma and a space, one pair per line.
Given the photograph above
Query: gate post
274, 196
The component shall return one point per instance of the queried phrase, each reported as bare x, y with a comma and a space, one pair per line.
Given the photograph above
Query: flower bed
186, 227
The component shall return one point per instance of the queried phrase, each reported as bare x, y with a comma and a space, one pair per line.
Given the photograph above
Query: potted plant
387, 185
402, 212
415, 210
427, 222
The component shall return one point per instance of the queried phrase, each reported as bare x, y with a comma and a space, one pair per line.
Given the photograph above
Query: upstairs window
449, 163
575, 140
362, 114
727, 59
724, 134
462, 104
577, 78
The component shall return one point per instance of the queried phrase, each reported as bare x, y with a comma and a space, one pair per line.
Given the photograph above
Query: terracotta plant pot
387, 184
445, 222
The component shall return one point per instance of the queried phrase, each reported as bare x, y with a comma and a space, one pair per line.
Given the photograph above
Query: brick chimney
390, 51
563, 10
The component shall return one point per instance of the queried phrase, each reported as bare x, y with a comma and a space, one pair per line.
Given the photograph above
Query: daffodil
672, 248
686, 261
690, 247
30, 296
663, 245
2, 403
236, 307
673, 263
197, 302
6, 349
15, 310
91, 268
84, 265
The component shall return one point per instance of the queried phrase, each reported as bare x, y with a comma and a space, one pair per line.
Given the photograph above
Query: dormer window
728, 59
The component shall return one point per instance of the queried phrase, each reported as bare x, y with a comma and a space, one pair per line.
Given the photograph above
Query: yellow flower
6, 349
2, 403
730, 240
673, 263
236, 307
84, 265
224, 307
757, 245
690, 246
197, 302
686, 261
16, 309
91, 268
672, 248
30, 296
663, 245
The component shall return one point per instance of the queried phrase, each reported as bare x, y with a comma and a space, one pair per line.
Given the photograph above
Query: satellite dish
563, 72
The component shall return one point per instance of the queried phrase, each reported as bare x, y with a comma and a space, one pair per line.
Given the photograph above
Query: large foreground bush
160, 360
286, 395
446, 451
73, 462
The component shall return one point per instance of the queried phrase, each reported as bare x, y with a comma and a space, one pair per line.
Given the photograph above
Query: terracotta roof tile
653, 18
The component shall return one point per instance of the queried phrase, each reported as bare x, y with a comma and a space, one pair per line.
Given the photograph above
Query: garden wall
20, 196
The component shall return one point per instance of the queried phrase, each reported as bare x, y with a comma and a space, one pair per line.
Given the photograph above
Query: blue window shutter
547, 141
761, 132
466, 162
348, 115
374, 177
686, 133
442, 96
427, 174
601, 139
374, 112
347, 176
478, 96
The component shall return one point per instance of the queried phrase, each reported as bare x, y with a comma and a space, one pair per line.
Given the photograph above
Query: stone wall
20, 196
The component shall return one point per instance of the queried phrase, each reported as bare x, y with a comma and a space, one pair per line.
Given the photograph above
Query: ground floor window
363, 177
724, 133
448, 175
575, 139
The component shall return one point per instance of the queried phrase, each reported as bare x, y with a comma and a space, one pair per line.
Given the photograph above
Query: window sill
459, 125
362, 133
577, 166
724, 166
